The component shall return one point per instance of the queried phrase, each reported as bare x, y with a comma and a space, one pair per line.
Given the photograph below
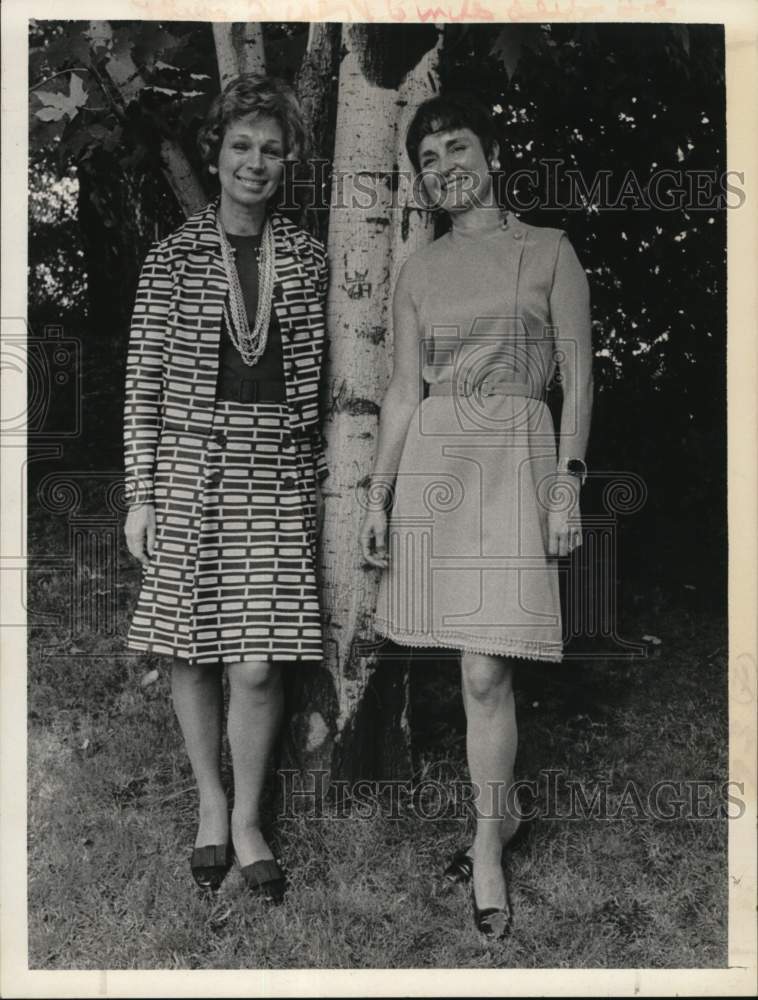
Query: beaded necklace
250, 343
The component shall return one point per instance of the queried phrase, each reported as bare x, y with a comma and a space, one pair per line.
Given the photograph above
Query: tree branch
177, 169
62, 72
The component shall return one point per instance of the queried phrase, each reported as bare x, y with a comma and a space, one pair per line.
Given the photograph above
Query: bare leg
198, 702
255, 714
491, 741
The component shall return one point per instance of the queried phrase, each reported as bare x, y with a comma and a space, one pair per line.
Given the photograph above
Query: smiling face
251, 161
454, 170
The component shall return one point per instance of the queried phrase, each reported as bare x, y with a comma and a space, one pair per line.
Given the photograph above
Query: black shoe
493, 921
267, 878
461, 866
209, 865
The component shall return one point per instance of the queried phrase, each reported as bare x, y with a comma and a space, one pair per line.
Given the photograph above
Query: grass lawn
112, 813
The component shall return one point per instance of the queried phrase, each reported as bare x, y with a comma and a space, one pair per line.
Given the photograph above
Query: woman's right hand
373, 538
140, 532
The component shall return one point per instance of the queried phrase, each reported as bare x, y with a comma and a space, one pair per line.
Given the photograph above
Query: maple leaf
55, 106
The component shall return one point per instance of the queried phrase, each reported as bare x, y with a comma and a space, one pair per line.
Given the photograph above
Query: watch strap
573, 467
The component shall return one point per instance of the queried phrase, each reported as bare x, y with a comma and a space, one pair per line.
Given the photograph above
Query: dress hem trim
448, 639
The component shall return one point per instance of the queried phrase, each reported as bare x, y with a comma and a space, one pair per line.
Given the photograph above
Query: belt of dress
485, 388
251, 390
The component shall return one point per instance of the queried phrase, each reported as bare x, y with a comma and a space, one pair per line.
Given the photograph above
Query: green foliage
118, 86
57, 278
55, 106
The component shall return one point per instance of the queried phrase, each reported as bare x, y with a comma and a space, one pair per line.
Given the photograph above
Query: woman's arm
142, 404
399, 404
144, 376
570, 312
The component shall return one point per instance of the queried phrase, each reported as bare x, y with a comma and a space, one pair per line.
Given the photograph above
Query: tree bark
181, 177
356, 722
314, 77
239, 49
316, 91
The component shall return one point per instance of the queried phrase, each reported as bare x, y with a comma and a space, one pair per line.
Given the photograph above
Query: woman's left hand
564, 524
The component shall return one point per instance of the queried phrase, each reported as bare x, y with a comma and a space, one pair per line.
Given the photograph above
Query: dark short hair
443, 113
253, 93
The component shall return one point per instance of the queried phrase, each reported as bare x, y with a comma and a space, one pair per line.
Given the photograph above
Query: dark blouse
237, 381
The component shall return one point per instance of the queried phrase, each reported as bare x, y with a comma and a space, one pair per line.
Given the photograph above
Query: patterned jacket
172, 365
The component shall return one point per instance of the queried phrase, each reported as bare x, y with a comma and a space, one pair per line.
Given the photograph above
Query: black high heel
493, 921
460, 868
210, 865
267, 879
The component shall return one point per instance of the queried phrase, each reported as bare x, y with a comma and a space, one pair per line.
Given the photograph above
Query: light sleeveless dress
468, 563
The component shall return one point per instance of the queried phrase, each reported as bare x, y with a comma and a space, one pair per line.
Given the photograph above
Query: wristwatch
574, 467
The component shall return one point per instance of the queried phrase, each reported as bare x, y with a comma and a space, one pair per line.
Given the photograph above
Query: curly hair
443, 113
253, 93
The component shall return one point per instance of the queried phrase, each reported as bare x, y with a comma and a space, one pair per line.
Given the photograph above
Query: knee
486, 678
185, 673
253, 674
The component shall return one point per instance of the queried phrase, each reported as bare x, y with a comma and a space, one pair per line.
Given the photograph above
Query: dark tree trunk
121, 213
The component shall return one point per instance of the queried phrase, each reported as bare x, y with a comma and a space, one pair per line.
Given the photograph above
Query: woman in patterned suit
223, 458
486, 316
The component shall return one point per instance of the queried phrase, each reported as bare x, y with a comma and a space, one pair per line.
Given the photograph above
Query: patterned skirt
233, 575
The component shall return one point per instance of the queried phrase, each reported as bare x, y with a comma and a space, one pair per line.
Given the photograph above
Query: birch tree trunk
316, 93
239, 49
356, 722
315, 70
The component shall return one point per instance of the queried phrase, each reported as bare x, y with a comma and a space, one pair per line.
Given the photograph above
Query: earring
212, 169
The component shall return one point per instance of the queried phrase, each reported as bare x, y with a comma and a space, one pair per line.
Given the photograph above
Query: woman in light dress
483, 498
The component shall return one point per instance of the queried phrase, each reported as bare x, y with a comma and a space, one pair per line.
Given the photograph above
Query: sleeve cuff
138, 492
